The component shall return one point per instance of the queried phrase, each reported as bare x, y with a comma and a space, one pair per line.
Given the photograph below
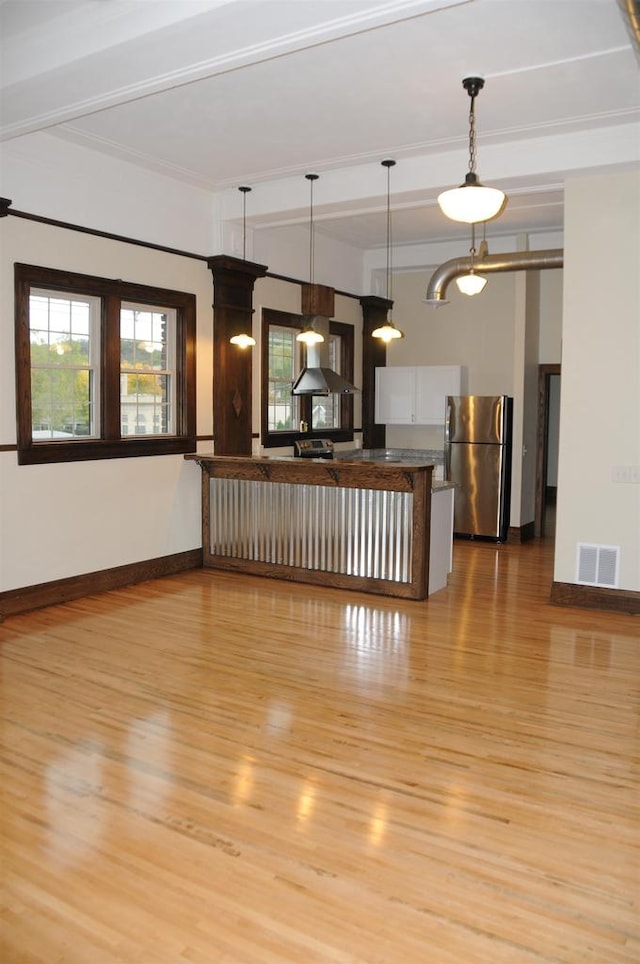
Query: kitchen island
362, 525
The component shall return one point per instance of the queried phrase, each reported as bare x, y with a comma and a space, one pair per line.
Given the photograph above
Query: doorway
547, 449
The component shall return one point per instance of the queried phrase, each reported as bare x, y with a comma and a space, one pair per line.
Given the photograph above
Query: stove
313, 448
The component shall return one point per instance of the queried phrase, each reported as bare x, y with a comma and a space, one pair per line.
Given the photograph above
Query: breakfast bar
360, 525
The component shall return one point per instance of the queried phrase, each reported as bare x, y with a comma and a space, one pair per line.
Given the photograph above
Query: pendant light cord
473, 86
389, 164
245, 191
311, 178
472, 136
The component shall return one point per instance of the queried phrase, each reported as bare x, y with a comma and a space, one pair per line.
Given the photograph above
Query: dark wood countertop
395, 476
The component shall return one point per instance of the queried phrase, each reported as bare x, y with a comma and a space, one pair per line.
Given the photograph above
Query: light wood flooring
218, 768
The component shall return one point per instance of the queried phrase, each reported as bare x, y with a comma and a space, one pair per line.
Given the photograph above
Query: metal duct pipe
490, 264
631, 13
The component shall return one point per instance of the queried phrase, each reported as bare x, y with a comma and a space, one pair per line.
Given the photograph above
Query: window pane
61, 403
325, 409
283, 361
147, 370
63, 333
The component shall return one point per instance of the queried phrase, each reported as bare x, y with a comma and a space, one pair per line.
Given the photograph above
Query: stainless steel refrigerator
477, 452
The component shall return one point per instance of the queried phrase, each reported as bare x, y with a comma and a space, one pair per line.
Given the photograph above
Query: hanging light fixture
472, 283
472, 202
243, 340
388, 332
308, 335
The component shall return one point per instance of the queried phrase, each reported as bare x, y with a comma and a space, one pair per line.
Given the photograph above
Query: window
147, 368
285, 359
64, 336
104, 369
330, 416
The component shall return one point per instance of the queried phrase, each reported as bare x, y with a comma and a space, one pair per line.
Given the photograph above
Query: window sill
48, 452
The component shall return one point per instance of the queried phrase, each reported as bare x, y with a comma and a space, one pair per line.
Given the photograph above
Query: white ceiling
220, 93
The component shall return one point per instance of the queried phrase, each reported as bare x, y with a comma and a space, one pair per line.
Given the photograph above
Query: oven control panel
314, 448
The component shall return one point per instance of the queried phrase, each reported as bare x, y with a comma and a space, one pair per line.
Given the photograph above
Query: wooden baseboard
75, 587
593, 597
522, 533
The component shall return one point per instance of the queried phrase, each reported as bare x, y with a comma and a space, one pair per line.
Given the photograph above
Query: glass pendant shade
471, 284
309, 336
243, 341
387, 332
471, 203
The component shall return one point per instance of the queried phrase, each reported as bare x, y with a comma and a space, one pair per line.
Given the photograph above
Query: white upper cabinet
416, 395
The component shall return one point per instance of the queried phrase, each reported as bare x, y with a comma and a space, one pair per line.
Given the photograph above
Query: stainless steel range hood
317, 378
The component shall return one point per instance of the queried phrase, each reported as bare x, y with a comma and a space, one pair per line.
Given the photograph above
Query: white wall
335, 264
600, 400
66, 519
550, 350
45, 175
528, 399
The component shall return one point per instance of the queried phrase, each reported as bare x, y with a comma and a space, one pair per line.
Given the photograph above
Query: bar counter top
361, 474
338, 468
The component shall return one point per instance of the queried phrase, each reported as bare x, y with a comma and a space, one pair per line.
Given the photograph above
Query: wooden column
233, 281
374, 355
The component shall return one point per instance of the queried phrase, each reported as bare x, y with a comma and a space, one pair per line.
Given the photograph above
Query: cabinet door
395, 392
432, 385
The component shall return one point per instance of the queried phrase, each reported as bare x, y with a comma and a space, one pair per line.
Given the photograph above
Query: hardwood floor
219, 768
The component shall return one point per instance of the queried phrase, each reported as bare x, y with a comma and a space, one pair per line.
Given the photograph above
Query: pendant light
308, 335
472, 202
472, 283
244, 340
388, 332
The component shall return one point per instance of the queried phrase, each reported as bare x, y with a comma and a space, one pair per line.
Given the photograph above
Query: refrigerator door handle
447, 424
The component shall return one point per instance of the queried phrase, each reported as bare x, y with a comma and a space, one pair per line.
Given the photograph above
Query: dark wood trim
110, 368
346, 334
544, 375
271, 316
521, 534
68, 226
334, 580
8, 448
374, 355
593, 597
22, 362
23, 600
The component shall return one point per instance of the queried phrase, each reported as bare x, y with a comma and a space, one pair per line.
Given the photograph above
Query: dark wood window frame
272, 439
111, 443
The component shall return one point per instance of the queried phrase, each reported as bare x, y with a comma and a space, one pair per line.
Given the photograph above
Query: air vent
597, 565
